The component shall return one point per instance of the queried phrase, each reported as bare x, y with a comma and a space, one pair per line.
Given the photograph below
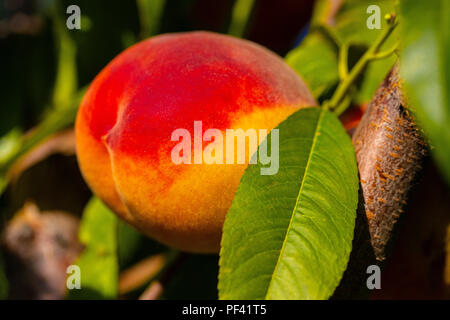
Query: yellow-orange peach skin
125, 122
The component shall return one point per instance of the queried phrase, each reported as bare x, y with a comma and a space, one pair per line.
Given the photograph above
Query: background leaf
425, 68
99, 261
66, 76
241, 15
128, 242
9, 145
150, 13
351, 27
16, 146
289, 235
316, 59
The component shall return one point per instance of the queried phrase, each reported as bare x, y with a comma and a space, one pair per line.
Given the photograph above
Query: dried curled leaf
389, 150
38, 248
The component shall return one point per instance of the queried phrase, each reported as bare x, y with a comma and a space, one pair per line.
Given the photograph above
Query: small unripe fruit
127, 117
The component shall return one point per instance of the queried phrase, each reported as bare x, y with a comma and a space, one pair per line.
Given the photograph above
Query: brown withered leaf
38, 247
389, 149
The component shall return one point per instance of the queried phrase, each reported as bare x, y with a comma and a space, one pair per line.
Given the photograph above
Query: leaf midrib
322, 113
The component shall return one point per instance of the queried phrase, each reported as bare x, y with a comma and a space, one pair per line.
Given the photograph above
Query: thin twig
370, 55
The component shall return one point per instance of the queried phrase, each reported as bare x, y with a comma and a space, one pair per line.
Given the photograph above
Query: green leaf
425, 69
289, 235
150, 13
56, 120
351, 27
3, 183
9, 145
316, 62
316, 59
351, 22
99, 261
66, 75
129, 240
241, 15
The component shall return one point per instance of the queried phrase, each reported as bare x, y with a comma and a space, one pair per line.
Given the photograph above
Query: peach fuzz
125, 122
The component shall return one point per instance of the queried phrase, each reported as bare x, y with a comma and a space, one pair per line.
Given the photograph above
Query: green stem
343, 61
370, 55
340, 109
385, 54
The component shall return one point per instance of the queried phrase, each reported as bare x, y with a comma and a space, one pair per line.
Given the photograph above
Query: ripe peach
125, 122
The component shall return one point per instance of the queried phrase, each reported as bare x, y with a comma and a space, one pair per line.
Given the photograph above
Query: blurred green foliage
98, 263
150, 13
426, 70
317, 58
241, 13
